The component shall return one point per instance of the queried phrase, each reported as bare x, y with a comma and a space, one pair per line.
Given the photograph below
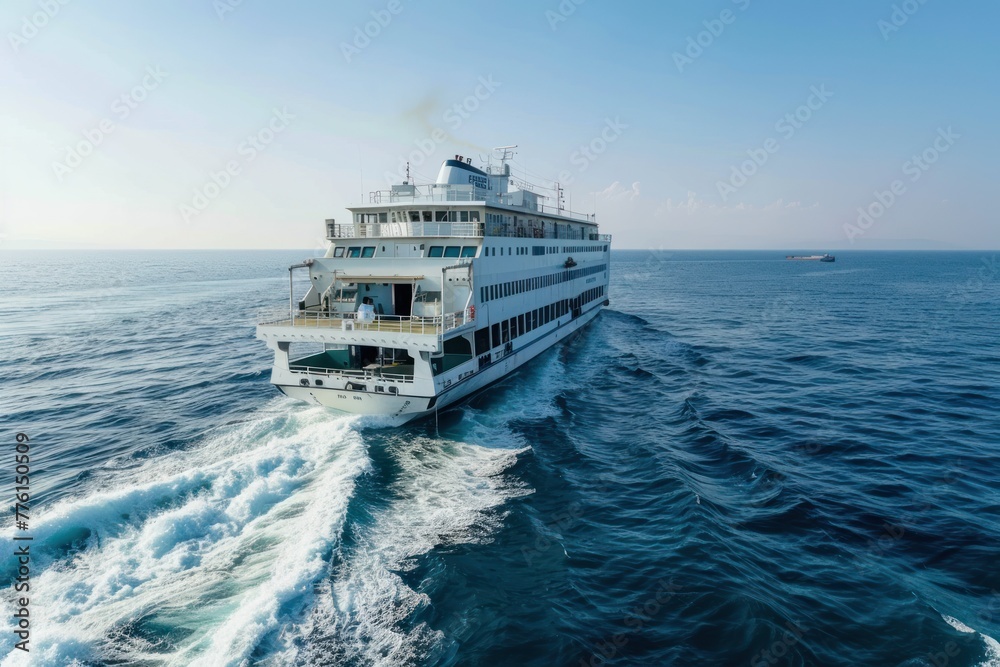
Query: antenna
508, 153
407, 181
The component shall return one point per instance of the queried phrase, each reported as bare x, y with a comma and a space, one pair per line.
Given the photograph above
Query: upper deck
466, 202
448, 210
523, 201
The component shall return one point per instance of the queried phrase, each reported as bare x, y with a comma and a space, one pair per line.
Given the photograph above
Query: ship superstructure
435, 291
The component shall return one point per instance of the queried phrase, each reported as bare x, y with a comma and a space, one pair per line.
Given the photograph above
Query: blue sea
742, 461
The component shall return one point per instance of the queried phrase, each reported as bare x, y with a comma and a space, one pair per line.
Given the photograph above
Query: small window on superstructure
414, 216
463, 216
436, 251
383, 217
338, 251
468, 251
427, 215
440, 216
474, 216
368, 251
452, 251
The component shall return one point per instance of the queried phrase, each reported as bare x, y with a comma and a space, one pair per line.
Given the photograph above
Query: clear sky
713, 124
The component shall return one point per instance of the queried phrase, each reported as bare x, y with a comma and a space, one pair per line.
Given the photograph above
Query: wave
991, 647
370, 612
196, 557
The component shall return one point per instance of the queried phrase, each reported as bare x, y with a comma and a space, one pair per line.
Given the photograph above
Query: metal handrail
366, 230
351, 373
438, 192
382, 323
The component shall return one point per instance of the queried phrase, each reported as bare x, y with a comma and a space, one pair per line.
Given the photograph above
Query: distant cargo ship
814, 258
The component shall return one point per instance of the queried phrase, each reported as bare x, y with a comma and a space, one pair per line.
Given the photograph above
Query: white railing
434, 193
352, 374
365, 230
382, 323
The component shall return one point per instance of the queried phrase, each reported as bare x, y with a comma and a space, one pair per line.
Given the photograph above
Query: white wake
195, 557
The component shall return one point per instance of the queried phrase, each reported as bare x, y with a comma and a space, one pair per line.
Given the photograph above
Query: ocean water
743, 461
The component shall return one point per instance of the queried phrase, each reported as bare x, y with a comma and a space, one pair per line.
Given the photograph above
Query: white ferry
434, 292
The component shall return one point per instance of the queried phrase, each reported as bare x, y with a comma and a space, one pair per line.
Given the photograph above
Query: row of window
546, 250
457, 251
433, 251
512, 287
417, 216
452, 251
354, 251
503, 332
492, 252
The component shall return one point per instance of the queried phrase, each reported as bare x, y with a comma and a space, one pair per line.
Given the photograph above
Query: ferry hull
399, 409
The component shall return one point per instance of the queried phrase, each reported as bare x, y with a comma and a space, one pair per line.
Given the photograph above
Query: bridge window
440, 216
354, 252
463, 216
338, 251
436, 251
452, 251
414, 216
469, 251
368, 251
